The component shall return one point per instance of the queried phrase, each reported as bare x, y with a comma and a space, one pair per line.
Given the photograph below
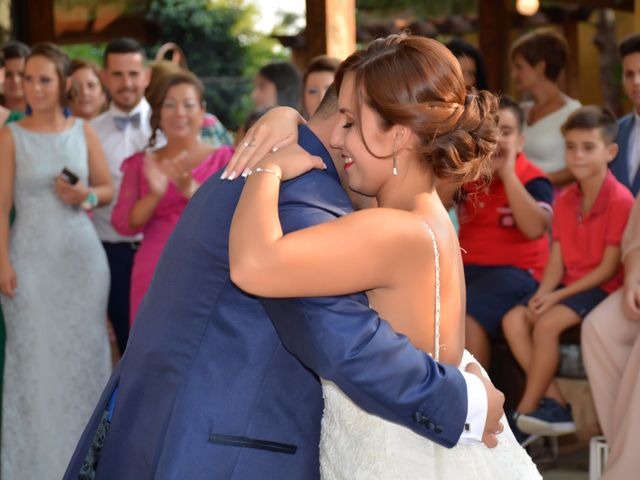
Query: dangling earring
395, 162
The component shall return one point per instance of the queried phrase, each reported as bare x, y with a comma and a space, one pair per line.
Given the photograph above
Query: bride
406, 121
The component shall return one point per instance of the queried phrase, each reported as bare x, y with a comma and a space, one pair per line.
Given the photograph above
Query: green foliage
86, 51
217, 38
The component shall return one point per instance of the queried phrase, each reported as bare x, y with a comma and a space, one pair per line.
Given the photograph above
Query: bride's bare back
409, 304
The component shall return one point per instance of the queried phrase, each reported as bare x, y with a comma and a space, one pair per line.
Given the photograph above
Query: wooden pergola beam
331, 28
494, 24
627, 5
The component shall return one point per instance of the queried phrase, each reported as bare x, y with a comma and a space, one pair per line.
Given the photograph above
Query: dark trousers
120, 257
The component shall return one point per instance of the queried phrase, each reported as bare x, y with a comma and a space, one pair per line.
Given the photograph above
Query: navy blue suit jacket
217, 384
619, 166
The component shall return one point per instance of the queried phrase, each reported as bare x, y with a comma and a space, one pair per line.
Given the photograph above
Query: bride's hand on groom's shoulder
495, 407
291, 162
274, 130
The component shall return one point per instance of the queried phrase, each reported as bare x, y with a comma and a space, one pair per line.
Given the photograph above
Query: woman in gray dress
54, 277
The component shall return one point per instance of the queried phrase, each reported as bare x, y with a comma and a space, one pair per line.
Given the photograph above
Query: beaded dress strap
436, 323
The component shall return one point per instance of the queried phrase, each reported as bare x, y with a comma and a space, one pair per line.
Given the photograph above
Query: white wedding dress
356, 445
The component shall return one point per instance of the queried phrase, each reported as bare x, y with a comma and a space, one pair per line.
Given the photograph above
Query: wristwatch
90, 202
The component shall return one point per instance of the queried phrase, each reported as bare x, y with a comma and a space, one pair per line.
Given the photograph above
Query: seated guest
503, 231
277, 84
625, 165
317, 78
156, 186
87, 97
538, 59
611, 351
15, 55
583, 268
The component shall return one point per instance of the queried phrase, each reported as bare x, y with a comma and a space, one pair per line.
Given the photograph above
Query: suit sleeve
344, 341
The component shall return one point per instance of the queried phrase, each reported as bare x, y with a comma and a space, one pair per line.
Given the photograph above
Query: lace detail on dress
356, 445
57, 357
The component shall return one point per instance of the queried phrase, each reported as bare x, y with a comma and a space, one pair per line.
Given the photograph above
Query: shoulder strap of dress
436, 322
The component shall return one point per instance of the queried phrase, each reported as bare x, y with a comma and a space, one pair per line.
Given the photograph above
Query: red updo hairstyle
417, 82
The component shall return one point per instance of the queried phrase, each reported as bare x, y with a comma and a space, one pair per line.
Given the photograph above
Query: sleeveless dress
356, 445
57, 353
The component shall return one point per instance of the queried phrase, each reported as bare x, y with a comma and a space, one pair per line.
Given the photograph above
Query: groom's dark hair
329, 104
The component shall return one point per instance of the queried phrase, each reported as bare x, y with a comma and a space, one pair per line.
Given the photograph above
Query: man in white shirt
123, 129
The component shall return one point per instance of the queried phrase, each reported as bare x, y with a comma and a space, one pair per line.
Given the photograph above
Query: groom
216, 384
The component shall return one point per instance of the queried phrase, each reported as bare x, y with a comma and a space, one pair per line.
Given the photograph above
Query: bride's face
366, 173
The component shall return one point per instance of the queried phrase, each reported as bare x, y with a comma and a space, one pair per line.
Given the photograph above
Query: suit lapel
620, 165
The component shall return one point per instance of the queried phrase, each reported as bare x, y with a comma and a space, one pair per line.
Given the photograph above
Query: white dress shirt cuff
477, 406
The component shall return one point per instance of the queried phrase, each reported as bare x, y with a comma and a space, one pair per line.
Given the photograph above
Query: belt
133, 245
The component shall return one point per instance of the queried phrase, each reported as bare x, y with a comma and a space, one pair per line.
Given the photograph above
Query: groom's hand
495, 405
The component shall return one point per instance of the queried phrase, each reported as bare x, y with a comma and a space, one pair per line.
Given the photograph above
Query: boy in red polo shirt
503, 232
583, 268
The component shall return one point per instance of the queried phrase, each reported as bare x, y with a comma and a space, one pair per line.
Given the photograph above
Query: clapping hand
177, 169
157, 179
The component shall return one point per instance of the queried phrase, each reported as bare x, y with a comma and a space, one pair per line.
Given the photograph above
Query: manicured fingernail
224, 175
245, 173
232, 176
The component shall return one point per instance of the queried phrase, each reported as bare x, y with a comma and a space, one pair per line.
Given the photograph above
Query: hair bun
462, 154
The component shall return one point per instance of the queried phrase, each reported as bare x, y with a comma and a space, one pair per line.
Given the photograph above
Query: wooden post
331, 28
40, 21
494, 25
571, 84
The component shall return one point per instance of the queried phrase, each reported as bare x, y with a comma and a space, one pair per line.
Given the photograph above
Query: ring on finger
246, 144
274, 149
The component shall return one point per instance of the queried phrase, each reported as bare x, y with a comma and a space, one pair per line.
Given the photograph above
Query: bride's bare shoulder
405, 228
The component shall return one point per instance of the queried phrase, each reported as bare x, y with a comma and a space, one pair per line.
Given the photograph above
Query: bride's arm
361, 251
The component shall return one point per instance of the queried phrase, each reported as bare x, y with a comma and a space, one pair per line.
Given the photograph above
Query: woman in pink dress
157, 185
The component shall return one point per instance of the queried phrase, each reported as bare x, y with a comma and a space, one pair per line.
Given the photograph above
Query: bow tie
121, 122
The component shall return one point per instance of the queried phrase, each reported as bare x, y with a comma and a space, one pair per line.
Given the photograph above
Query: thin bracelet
267, 170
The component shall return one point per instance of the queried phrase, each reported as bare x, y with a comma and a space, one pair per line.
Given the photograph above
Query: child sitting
503, 231
583, 268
